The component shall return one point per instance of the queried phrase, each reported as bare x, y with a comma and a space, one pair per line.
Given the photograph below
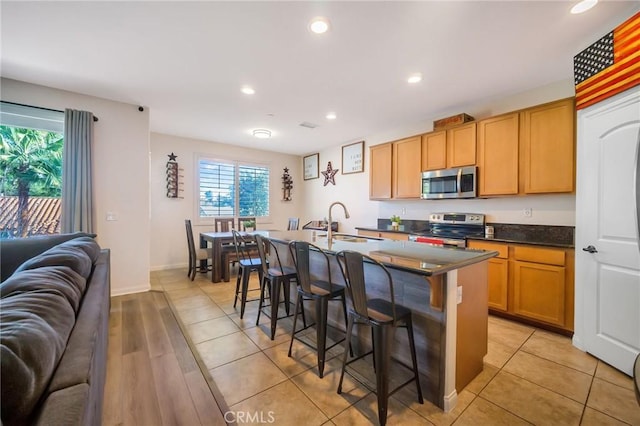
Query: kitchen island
446, 290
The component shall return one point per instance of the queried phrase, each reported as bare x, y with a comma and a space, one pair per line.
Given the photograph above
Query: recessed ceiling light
583, 6
331, 116
262, 133
247, 90
415, 78
319, 25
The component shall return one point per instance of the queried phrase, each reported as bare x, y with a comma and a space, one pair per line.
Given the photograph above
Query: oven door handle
459, 181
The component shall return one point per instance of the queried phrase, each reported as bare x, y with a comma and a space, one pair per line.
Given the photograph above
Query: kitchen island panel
450, 337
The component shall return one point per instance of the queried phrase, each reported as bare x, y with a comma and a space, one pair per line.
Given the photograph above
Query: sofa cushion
78, 254
37, 313
14, 252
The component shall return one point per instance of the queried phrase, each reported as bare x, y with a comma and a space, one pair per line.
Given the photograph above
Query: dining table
218, 240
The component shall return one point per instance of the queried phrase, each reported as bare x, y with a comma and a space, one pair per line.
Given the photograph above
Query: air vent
308, 125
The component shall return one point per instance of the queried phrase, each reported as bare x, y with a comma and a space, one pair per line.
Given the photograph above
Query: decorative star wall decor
330, 174
172, 157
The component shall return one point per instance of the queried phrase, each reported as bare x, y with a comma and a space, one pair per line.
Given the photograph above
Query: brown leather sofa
54, 328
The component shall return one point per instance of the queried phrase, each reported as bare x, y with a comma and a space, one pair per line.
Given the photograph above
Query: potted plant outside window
249, 225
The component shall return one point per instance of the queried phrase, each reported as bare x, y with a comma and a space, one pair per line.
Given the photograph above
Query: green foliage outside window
30, 165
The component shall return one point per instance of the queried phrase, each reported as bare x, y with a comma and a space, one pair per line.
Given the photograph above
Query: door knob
590, 249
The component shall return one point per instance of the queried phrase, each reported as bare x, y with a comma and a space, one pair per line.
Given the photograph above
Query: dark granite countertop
423, 259
541, 235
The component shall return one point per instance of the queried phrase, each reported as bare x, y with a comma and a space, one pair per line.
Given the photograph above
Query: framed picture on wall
310, 164
353, 158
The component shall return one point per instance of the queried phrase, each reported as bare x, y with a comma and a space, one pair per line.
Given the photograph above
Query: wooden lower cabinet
533, 283
539, 292
498, 270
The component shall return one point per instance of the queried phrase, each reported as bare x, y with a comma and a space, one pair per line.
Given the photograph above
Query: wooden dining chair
293, 224
224, 224
196, 254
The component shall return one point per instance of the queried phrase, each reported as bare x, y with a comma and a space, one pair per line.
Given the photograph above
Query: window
231, 188
31, 170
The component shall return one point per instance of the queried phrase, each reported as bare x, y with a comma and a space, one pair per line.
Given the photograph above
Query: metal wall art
173, 177
330, 174
287, 185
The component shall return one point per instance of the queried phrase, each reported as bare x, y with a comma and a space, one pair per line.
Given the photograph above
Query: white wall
353, 189
121, 176
168, 240
149, 232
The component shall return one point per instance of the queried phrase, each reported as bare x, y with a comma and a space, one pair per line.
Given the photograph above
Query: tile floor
530, 377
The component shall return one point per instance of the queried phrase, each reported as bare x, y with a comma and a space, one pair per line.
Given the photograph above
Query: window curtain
77, 185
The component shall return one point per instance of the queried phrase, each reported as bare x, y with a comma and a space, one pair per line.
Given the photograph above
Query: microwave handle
459, 181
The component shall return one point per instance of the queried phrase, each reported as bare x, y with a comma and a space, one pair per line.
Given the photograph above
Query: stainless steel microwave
449, 183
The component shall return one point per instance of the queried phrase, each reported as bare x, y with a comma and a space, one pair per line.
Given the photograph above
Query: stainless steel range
451, 229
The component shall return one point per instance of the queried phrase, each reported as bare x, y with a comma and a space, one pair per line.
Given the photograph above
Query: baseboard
450, 401
166, 267
130, 290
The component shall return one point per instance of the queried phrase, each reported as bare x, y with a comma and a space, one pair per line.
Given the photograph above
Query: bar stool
247, 263
382, 315
320, 291
274, 275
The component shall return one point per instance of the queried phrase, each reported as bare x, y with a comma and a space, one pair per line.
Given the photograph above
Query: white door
608, 274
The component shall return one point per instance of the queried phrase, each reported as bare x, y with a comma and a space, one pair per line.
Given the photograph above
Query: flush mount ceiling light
583, 6
331, 116
319, 25
247, 90
415, 78
262, 133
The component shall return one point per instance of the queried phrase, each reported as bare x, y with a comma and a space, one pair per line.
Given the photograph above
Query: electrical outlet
527, 212
111, 216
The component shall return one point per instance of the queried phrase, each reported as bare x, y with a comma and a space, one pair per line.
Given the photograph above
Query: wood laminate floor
153, 378
530, 376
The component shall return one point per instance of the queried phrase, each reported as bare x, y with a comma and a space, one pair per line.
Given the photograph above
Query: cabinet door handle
590, 249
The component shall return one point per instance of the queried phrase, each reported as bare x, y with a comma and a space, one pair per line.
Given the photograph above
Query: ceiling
186, 61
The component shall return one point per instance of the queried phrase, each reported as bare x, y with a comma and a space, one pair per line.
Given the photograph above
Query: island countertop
415, 257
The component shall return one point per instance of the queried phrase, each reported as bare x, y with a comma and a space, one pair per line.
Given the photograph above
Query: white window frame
206, 220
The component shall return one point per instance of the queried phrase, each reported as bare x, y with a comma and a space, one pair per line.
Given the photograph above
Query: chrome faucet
329, 228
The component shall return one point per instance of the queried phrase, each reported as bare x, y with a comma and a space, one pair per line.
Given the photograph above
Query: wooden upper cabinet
407, 168
461, 146
434, 150
498, 139
548, 145
380, 172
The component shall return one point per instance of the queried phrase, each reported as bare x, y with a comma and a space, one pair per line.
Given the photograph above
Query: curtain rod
37, 107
